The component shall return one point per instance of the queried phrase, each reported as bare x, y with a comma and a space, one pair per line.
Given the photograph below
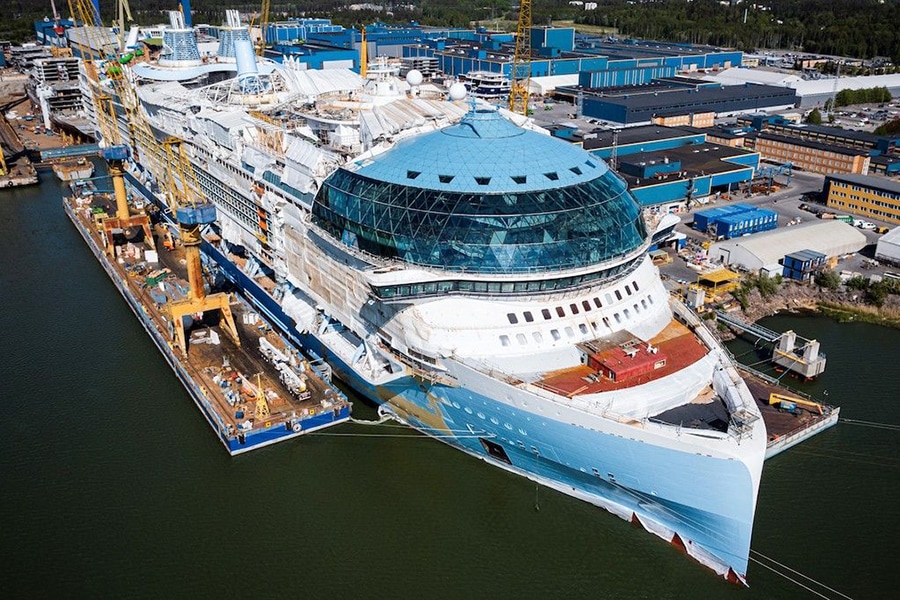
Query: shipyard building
669, 167
867, 196
766, 252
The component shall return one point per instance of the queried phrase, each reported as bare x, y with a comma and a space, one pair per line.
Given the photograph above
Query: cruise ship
478, 279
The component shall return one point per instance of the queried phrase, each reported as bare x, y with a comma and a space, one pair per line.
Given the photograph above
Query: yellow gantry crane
192, 215
100, 60
520, 76
169, 162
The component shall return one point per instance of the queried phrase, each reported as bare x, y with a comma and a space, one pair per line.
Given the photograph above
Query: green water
112, 484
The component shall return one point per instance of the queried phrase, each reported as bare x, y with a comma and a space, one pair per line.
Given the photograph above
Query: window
528, 316
445, 178
627, 313
582, 328
608, 298
520, 337
546, 314
627, 289
618, 295
483, 180
553, 176
537, 337
412, 174
575, 170
554, 333
650, 298
570, 332
560, 312
615, 316
574, 308
520, 179
504, 340
597, 303
513, 319
586, 305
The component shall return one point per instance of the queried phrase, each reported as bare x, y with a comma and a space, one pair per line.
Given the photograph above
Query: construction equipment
263, 24
169, 158
192, 215
98, 55
520, 77
790, 404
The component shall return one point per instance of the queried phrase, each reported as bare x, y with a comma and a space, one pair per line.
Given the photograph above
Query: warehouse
766, 251
888, 248
639, 104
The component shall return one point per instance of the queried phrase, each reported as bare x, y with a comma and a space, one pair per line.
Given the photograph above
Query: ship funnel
246, 58
179, 44
230, 33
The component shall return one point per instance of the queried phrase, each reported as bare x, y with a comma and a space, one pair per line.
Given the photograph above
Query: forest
856, 28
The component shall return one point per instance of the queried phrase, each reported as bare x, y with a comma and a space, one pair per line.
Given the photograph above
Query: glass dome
483, 196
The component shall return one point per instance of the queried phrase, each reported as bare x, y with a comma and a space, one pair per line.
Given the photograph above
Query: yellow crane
520, 76
103, 70
263, 23
192, 215
788, 401
169, 161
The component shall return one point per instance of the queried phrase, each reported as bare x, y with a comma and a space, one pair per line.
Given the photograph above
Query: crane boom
520, 77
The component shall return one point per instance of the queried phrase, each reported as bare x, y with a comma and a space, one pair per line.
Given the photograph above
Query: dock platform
258, 393
786, 429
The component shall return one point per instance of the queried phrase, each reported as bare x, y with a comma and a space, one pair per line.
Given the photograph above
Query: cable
807, 577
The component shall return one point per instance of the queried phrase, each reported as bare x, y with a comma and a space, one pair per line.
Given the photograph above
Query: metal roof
485, 154
869, 181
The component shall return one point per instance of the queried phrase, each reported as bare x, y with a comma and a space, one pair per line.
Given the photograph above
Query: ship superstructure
483, 282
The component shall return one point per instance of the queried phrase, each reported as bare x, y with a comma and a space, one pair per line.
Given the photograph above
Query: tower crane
95, 52
520, 77
263, 24
169, 157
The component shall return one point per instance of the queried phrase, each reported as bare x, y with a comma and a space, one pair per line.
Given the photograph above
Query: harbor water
113, 485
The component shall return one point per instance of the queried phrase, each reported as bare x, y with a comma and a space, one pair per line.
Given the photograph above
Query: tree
814, 117
828, 279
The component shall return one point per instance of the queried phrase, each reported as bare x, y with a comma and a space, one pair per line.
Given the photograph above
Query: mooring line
873, 424
807, 577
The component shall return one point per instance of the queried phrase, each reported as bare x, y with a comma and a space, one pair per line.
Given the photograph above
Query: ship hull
717, 535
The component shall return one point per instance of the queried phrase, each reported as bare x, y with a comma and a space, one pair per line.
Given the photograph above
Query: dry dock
257, 393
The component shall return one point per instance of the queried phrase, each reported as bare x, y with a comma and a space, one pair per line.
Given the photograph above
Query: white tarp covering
888, 248
753, 252
258, 160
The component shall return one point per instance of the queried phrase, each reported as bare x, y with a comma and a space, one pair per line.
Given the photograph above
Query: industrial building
867, 196
882, 149
888, 248
814, 157
765, 252
640, 104
733, 220
668, 167
810, 92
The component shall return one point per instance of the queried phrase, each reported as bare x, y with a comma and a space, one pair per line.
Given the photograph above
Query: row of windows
858, 188
584, 333
573, 307
519, 179
468, 287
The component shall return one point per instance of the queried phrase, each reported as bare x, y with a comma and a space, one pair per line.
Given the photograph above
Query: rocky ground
794, 297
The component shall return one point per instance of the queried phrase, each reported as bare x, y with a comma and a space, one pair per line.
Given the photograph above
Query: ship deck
676, 343
223, 375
